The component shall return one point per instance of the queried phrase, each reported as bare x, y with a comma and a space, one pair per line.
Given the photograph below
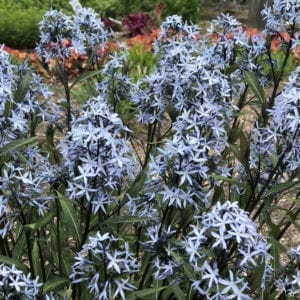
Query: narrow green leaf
36, 259
67, 262
275, 229
9, 147
22, 87
42, 221
229, 180
85, 76
239, 156
276, 246
244, 146
61, 74
256, 278
18, 249
54, 246
125, 219
144, 293
178, 293
52, 283
70, 216
138, 184
187, 267
255, 85
281, 187
10, 261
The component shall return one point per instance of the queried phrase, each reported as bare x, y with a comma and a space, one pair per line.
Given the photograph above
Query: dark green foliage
19, 20
190, 11
19, 28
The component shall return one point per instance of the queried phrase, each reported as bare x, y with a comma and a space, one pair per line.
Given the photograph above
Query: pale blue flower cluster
160, 246
106, 265
282, 15
231, 238
289, 280
96, 155
25, 183
61, 34
116, 85
14, 284
280, 140
22, 97
198, 95
88, 31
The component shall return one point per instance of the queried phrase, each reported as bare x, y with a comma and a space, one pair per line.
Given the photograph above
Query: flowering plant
180, 184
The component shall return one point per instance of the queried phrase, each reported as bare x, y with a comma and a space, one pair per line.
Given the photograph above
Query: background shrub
19, 20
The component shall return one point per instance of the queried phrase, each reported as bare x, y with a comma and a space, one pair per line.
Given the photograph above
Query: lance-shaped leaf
255, 85
70, 216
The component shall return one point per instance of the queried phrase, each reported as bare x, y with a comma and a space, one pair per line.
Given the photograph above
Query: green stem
58, 236
87, 226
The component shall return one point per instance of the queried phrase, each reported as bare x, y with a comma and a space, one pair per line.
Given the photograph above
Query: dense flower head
14, 284
25, 184
106, 264
116, 79
88, 31
288, 282
281, 137
159, 244
55, 31
187, 77
283, 14
6, 77
61, 35
96, 155
18, 106
223, 227
175, 28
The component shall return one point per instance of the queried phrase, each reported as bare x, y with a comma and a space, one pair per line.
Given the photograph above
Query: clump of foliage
19, 22
157, 187
190, 12
137, 23
19, 28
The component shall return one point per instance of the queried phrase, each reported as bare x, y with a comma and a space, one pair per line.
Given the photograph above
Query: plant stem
58, 236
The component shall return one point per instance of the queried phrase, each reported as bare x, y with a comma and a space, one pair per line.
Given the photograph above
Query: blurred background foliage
19, 19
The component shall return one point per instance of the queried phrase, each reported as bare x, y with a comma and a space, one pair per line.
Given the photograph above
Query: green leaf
125, 219
239, 156
70, 216
85, 76
9, 147
244, 146
54, 282
10, 261
138, 184
252, 80
42, 221
54, 246
144, 293
276, 246
178, 293
226, 179
36, 259
18, 249
22, 87
230, 69
275, 229
281, 187
61, 74
67, 262
256, 278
